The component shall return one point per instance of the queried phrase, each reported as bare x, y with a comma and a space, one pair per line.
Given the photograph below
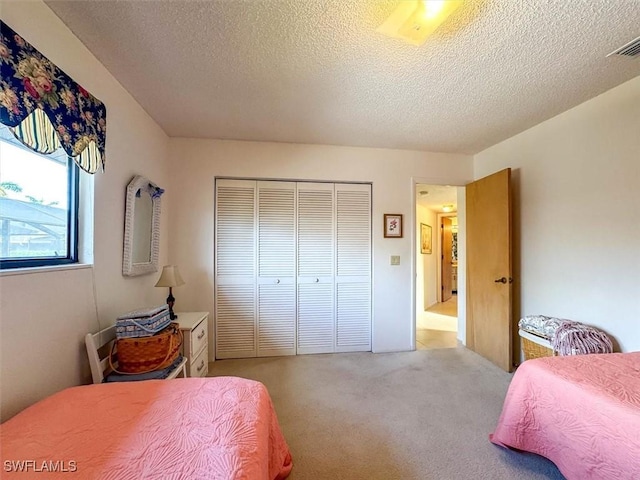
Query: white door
353, 267
235, 269
276, 222
316, 259
292, 268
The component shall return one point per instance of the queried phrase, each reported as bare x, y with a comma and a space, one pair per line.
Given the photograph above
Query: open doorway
436, 267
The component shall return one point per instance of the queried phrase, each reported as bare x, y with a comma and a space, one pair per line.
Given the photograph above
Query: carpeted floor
417, 415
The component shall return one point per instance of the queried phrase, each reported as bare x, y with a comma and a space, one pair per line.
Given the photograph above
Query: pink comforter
581, 412
215, 428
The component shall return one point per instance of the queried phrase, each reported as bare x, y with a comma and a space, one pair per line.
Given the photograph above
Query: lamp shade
170, 277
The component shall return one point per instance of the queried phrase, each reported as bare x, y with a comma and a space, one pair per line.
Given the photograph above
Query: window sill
51, 268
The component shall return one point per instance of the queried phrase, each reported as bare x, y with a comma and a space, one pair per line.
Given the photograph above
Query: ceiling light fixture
414, 20
447, 208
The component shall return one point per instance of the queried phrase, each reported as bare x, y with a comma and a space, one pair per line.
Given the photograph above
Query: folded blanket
573, 338
566, 336
540, 325
144, 312
155, 375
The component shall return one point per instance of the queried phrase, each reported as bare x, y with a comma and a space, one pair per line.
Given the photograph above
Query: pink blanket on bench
581, 412
216, 428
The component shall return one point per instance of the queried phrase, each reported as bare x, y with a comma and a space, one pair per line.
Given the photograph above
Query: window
38, 206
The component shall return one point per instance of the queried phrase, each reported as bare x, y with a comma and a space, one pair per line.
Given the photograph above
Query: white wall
577, 213
426, 266
44, 316
195, 163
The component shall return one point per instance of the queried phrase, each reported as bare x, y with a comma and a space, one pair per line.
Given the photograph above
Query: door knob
278, 280
317, 280
503, 280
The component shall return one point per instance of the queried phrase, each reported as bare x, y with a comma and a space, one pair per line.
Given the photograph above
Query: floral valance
44, 108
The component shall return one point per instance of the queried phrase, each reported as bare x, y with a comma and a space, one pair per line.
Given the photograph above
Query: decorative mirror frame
129, 268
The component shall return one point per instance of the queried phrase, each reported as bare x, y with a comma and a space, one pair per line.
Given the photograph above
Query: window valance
44, 108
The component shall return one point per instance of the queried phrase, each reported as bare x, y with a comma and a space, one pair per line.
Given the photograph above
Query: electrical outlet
395, 260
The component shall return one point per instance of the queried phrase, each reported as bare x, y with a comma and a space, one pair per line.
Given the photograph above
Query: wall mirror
141, 227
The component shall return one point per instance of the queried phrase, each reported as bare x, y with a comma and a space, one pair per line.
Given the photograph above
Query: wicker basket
534, 346
143, 323
146, 354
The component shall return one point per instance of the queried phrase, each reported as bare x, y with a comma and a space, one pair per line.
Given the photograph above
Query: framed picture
392, 225
425, 238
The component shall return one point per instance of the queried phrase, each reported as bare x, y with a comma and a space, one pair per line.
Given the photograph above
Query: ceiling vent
631, 49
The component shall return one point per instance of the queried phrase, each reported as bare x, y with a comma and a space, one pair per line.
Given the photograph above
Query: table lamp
170, 277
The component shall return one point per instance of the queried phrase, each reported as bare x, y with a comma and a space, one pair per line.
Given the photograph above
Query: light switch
395, 260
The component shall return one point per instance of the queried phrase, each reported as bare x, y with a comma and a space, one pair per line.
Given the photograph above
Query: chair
101, 342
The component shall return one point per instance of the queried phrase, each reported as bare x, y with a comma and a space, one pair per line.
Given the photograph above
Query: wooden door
489, 277
446, 260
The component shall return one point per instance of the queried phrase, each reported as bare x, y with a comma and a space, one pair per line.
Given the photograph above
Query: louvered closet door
276, 268
235, 267
316, 250
353, 267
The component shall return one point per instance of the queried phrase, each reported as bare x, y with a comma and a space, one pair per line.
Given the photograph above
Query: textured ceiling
316, 71
435, 196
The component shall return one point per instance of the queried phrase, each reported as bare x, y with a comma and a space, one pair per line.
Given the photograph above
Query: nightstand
194, 328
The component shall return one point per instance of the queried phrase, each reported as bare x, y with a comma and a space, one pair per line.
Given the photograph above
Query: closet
292, 268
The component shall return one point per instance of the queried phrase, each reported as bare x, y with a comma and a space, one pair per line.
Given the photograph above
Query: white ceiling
436, 196
316, 71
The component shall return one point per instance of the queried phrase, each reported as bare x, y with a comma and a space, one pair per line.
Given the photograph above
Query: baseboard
393, 351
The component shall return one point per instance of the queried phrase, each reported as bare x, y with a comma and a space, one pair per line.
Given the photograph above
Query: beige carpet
418, 415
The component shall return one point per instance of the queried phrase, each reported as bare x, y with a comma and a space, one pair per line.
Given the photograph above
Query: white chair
100, 344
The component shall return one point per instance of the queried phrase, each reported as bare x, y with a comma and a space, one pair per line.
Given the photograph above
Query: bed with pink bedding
581, 412
193, 428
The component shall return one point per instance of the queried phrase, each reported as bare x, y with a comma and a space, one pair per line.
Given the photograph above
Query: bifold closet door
235, 269
292, 268
276, 329
353, 267
316, 259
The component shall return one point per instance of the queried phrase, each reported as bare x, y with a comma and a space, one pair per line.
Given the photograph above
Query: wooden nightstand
194, 328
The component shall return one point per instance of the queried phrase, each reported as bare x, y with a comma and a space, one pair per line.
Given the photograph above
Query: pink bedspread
581, 412
214, 428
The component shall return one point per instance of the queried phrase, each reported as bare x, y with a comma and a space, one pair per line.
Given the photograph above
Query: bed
193, 428
581, 412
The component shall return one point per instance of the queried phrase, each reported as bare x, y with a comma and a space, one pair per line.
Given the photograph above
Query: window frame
73, 198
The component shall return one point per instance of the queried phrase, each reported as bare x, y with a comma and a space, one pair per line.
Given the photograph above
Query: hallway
437, 326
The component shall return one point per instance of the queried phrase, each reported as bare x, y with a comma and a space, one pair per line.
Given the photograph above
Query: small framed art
392, 225
425, 238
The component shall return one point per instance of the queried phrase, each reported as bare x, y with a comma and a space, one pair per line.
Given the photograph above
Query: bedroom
575, 201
